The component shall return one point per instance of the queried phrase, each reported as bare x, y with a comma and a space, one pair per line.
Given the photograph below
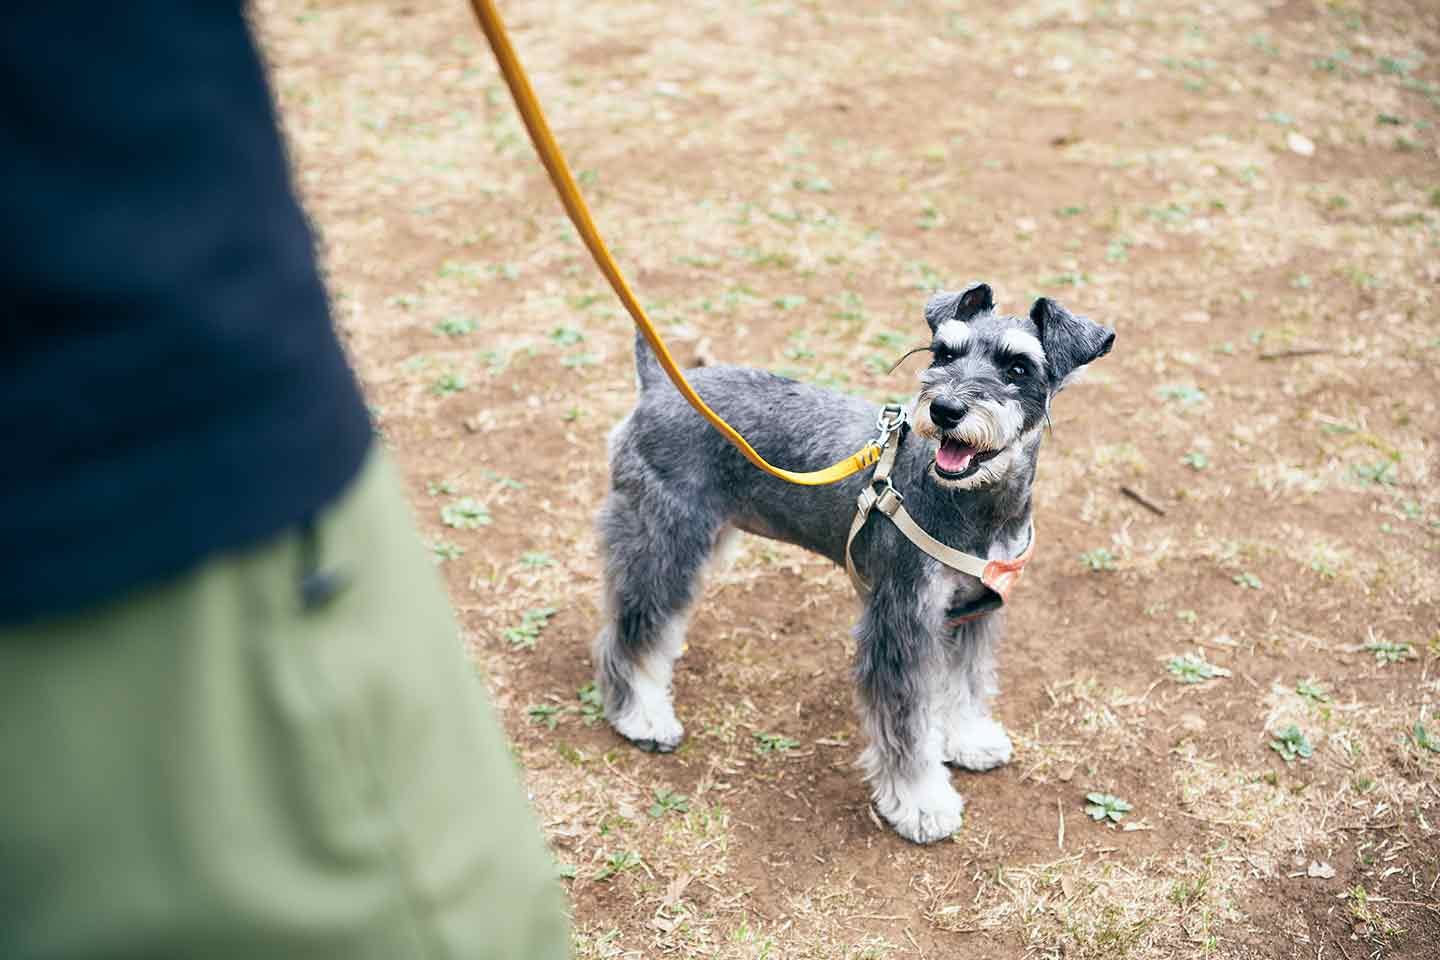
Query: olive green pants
229, 766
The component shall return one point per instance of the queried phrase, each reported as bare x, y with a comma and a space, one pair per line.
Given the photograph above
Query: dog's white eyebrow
1021, 343
953, 334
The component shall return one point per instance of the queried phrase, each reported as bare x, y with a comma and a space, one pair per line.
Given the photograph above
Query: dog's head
987, 390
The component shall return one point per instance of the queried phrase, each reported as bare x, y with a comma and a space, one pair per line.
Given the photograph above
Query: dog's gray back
665, 444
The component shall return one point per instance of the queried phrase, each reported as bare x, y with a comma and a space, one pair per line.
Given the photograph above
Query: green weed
774, 743
1292, 744
1191, 668
1106, 807
466, 514
1098, 560
532, 623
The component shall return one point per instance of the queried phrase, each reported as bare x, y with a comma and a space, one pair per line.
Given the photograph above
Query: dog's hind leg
655, 550
896, 662
972, 738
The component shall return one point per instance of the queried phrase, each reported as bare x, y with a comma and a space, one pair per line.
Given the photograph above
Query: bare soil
1248, 192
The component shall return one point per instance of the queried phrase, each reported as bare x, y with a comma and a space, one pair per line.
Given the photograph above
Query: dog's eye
942, 355
1017, 371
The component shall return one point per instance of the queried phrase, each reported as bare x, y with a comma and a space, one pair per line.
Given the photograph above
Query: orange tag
1002, 575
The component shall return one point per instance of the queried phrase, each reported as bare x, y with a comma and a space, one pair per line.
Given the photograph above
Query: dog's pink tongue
954, 456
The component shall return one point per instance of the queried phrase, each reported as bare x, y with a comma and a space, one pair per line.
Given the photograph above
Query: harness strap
999, 576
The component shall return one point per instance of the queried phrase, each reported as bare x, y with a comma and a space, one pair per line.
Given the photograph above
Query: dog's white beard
988, 425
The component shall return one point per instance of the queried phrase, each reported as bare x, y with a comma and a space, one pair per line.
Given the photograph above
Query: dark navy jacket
170, 384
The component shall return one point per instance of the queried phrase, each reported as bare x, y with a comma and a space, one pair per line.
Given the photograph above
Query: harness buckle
889, 499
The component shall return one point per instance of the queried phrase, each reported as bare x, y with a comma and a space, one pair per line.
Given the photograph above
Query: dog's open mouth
956, 459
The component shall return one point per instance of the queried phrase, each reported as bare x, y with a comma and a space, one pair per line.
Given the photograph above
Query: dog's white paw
923, 810
977, 743
649, 720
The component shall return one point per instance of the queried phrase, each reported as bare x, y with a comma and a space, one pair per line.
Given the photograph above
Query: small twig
1060, 834
1406, 903
1294, 352
1143, 500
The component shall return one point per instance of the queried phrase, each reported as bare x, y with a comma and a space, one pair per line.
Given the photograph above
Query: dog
925, 665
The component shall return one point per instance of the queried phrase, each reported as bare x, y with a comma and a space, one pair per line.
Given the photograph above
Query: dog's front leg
897, 658
972, 738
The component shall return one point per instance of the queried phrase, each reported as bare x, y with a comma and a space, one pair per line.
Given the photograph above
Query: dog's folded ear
970, 302
1070, 342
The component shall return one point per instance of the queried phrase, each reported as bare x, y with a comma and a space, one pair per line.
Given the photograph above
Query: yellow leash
559, 171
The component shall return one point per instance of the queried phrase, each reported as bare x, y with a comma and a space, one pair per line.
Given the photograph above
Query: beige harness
999, 576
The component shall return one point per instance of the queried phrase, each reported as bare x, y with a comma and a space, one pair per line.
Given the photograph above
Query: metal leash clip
891, 419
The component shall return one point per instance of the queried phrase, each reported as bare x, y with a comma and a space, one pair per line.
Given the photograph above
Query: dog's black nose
946, 413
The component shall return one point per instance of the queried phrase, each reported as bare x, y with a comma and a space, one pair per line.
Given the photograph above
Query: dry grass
783, 182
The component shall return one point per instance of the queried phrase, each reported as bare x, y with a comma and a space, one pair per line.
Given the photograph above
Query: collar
998, 576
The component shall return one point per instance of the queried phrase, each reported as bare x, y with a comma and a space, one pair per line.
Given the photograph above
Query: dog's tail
647, 366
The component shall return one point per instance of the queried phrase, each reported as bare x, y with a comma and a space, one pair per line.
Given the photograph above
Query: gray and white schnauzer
924, 661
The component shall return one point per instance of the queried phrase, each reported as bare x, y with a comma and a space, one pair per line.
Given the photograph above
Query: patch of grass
1394, 66
1292, 744
618, 863
536, 559
1386, 652
668, 801
1424, 739
443, 550
877, 364
1098, 560
532, 623
566, 336
788, 302
592, 704
447, 384
1187, 616
576, 360
1381, 473
547, 714
929, 218
774, 743
1192, 668
1186, 395
1312, 691
1187, 892
1104, 807
1195, 460
1371, 922
813, 185
455, 326
1247, 580
466, 514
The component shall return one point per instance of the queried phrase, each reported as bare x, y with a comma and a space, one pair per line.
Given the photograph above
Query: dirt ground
1248, 192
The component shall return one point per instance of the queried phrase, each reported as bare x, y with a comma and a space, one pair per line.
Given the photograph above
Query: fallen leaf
1321, 870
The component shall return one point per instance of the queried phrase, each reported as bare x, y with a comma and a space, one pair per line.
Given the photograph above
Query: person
236, 720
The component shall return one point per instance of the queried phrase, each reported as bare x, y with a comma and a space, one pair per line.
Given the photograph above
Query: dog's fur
924, 679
